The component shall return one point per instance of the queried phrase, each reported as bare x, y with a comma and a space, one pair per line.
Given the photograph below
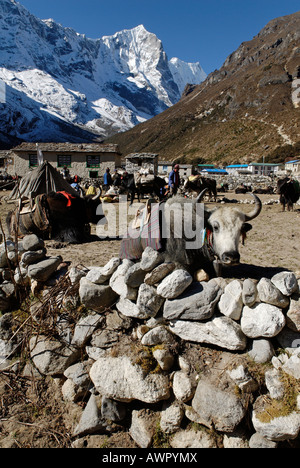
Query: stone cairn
156, 348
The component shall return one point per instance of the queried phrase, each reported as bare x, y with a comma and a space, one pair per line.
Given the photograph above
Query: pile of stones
23, 263
186, 355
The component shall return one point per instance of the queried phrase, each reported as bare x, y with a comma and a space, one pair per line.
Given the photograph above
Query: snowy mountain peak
61, 85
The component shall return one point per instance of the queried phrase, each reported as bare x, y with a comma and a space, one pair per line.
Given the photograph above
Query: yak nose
231, 258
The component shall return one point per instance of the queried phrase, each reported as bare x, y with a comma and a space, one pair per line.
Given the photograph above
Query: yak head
225, 227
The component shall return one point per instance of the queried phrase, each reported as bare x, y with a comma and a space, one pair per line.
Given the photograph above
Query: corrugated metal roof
215, 171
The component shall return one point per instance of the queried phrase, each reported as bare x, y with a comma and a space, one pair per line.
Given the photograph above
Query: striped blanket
148, 234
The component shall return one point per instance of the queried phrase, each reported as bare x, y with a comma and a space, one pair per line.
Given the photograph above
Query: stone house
142, 162
87, 160
165, 167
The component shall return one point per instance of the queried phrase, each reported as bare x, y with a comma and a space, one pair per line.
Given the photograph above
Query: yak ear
246, 227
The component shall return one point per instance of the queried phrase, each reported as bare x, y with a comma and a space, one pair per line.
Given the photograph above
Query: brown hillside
240, 113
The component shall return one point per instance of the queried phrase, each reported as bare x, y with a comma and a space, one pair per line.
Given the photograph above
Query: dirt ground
35, 416
273, 241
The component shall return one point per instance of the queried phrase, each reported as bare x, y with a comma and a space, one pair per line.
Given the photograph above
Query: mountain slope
62, 85
241, 112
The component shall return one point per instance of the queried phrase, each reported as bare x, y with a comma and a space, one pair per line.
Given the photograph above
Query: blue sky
204, 31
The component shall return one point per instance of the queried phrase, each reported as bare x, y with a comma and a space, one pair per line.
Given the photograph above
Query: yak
223, 227
289, 191
199, 183
57, 215
155, 188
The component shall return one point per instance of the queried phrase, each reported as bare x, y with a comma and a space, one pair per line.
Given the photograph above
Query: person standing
107, 180
174, 180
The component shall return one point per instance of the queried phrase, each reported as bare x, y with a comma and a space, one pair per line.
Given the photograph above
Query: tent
44, 179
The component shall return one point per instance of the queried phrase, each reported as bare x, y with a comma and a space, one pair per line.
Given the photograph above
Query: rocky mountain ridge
241, 112
63, 86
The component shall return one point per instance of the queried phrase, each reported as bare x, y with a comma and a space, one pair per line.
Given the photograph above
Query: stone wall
158, 354
78, 165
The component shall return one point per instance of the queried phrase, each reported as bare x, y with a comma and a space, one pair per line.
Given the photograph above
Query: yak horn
97, 197
257, 208
201, 195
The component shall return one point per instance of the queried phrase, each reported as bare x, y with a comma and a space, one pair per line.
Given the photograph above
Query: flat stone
196, 303
96, 296
278, 428
174, 284
221, 331
85, 328
217, 408
118, 378
231, 302
150, 259
32, 242
286, 282
30, 257
293, 314
148, 301
51, 357
117, 281
261, 350
262, 320
135, 276
269, 293
159, 273
42, 271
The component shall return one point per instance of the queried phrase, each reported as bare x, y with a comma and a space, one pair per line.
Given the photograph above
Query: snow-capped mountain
184, 73
62, 86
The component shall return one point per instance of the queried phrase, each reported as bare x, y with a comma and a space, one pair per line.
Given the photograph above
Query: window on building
33, 160
93, 174
64, 160
93, 160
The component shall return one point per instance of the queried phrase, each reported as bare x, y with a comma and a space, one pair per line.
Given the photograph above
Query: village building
5, 160
238, 169
165, 167
87, 160
292, 167
267, 169
142, 162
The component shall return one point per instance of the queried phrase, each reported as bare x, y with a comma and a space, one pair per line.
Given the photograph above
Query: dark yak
128, 184
58, 215
199, 183
243, 189
289, 191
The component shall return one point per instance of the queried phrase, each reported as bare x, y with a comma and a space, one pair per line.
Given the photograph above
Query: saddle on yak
144, 231
35, 214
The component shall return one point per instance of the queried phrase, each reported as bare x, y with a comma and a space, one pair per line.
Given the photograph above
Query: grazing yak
289, 191
217, 243
57, 215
